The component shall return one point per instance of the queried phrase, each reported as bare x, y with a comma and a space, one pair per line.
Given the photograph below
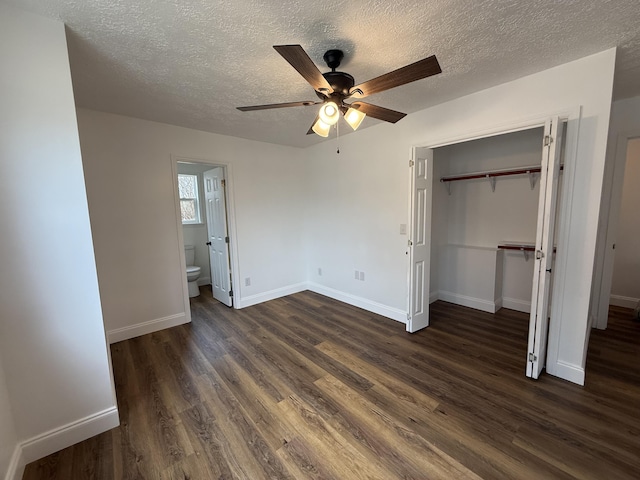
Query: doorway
625, 281
483, 221
604, 293
206, 221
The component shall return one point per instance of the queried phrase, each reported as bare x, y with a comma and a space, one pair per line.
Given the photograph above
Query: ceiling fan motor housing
340, 82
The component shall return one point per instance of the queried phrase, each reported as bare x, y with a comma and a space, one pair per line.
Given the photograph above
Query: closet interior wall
467, 268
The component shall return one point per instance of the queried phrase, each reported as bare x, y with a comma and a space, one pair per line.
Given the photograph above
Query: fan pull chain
338, 138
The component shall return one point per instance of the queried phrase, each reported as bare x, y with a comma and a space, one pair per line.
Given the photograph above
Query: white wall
359, 197
133, 217
439, 222
625, 287
356, 202
51, 333
8, 436
471, 276
475, 216
625, 124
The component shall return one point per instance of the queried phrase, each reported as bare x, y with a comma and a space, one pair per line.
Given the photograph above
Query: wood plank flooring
305, 387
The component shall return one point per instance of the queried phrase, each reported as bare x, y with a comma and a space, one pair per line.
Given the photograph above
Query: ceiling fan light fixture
329, 113
354, 117
321, 128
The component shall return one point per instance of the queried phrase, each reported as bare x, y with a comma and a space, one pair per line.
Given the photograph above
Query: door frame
234, 264
611, 200
572, 116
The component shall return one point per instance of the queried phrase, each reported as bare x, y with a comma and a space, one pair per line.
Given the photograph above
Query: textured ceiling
191, 62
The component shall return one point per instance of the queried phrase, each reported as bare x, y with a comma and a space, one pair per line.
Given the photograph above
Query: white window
189, 198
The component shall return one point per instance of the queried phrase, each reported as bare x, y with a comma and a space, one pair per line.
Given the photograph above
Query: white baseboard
59, 438
16, 465
433, 296
204, 281
516, 304
465, 301
270, 295
566, 371
369, 305
621, 301
132, 331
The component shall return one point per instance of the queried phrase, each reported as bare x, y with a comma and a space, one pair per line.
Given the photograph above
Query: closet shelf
525, 248
491, 175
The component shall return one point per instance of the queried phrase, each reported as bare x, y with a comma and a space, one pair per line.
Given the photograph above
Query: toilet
193, 272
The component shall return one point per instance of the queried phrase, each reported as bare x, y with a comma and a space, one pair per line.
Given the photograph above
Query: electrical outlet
319, 272
357, 275
403, 229
247, 282
362, 276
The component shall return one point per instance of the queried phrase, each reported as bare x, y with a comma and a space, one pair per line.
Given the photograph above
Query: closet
474, 212
484, 213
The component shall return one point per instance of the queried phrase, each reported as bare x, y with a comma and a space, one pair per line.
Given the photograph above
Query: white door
539, 319
420, 242
215, 206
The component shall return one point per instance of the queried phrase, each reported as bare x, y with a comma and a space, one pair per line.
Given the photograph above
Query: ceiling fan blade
380, 113
421, 69
277, 105
298, 58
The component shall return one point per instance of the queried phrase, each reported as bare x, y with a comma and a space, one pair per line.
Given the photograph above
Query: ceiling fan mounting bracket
333, 58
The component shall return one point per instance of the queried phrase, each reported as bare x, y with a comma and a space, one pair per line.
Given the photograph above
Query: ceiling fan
333, 88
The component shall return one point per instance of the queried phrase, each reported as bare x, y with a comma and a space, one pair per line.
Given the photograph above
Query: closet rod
514, 246
494, 173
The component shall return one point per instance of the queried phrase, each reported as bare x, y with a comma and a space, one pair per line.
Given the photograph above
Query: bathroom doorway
206, 228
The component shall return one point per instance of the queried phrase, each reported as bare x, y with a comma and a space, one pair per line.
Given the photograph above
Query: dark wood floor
305, 387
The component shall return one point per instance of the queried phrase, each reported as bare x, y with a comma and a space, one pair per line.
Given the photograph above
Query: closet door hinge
532, 357
547, 140
226, 239
231, 293
223, 182
410, 243
411, 163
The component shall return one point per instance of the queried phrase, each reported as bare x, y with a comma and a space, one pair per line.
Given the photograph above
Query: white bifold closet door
421, 168
544, 257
